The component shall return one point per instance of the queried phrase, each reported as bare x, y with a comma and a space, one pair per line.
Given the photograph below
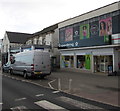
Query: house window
29, 42
35, 41
40, 41
43, 41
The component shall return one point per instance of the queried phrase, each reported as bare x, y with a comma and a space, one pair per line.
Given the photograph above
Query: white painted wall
6, 44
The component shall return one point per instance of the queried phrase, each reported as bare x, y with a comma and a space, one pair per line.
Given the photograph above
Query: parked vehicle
31, 63
5, 67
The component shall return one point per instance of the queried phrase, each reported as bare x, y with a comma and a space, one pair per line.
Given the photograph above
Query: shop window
84, 61
81, 61
67, 61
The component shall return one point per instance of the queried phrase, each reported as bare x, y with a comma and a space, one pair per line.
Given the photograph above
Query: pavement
95, 86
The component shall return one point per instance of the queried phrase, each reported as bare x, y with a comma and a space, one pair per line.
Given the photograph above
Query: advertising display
84, 31
105, 27
76, 32
69, 34
94, 29
91, 33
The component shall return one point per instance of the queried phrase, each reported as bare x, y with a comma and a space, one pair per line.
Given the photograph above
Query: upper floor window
40, 41
29, 42
35, 40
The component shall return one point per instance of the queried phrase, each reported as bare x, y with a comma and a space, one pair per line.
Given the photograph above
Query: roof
47, 29
16, 37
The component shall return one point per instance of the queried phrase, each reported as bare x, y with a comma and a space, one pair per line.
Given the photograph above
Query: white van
31, 63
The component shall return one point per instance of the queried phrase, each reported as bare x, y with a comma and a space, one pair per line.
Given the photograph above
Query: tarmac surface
94, 86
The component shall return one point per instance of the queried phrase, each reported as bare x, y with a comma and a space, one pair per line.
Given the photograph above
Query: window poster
76, 32
84, 31
69, 34
87, 61
62, 35
105, 27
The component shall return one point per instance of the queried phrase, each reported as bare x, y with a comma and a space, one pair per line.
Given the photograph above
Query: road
20, 95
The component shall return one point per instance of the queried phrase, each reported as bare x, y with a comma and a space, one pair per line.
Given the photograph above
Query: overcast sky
30, 16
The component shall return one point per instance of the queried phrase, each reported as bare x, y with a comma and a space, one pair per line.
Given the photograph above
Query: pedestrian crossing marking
39, 95
19, 108
54, 92
20, 99
79, 104
49, 106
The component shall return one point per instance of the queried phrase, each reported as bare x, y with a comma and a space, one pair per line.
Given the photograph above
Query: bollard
70, 83
59, 84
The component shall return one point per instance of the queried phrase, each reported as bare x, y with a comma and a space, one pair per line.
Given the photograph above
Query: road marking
54, 92
9, 76
13, 77
49, 83
79, 104
1, 103
19, 108
23, 80
20, 99
5, 75
39, 95
49, 106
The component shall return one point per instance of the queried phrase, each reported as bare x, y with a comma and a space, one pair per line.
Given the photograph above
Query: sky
30, 16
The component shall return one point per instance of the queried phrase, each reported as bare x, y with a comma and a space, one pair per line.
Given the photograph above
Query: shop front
102, 62
76, 59
102, 59
92, 60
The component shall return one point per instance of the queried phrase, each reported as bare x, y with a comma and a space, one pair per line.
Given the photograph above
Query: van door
42, 62
46, 63
38, 62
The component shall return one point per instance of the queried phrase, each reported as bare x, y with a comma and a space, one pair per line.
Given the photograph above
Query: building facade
10, 42
46, 39
91, 42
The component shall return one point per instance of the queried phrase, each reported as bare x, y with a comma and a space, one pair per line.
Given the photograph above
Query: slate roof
16, 37
47, 29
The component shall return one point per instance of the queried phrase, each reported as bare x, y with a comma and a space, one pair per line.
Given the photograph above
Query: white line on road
13, 77
38, 95
19, 108
79, 104
49, 83
1, 103
23, 80
9, 76
49, 106
54, 92
20, 99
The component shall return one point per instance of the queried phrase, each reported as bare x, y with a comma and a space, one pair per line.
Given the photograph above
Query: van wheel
25, 75
3, 70
11, 72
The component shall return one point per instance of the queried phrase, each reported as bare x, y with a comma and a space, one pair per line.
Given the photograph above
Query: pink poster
105, 26
69, 34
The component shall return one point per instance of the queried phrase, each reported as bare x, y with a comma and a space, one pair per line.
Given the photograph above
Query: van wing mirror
13, 61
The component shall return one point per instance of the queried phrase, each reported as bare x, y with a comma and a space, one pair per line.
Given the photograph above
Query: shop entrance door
101, 63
